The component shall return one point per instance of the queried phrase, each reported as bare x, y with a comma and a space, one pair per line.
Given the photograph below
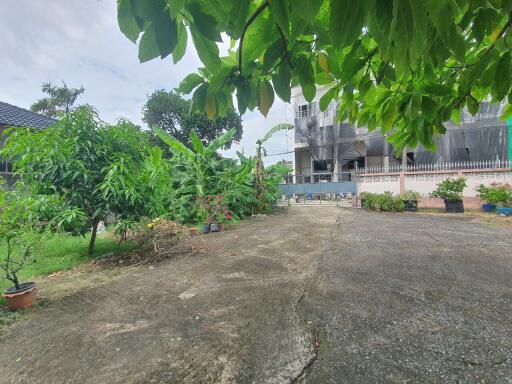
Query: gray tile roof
20, 117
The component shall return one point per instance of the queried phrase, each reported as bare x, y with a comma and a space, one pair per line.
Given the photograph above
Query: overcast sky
79, 42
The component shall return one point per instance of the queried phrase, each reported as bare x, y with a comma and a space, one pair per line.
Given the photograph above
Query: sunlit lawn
61, 252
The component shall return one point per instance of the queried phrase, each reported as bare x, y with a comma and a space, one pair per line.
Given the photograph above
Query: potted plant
18, 240
18, 253
217, 211
494, 194
205, 228
504, 199
450, 190
410, 199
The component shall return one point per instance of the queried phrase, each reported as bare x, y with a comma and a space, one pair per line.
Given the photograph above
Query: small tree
16, 235
60, 99
85, 162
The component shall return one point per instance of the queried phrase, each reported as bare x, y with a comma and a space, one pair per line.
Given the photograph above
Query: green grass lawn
61, 252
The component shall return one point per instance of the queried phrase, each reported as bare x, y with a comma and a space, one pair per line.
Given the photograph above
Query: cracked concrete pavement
306, 295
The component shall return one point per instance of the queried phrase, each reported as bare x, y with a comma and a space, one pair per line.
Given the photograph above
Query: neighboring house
327, 150
12, 116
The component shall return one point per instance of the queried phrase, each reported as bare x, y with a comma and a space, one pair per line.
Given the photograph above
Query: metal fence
443, 166
319, 188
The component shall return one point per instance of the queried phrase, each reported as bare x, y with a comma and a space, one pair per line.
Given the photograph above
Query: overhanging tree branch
285, 43
502, 32
254, 16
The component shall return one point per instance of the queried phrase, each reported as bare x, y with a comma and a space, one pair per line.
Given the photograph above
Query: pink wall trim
433, 202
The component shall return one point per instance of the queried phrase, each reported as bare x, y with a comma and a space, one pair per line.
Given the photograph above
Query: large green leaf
181, 45
175, 145
204, 23
281, 82
220, 141
196, 143
306, 9
503, 75
206, 49
148, 48
274, 130
306, 75
188, 84
280, 14
166, 33
347, 20
127, 23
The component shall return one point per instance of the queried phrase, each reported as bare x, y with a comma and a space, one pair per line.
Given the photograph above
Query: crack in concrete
327, 247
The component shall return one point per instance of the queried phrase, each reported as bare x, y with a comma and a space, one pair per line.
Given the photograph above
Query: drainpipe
386, 154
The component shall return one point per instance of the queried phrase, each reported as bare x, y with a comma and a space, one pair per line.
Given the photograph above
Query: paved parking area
307, 295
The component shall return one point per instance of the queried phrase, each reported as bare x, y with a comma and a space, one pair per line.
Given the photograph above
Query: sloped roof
20, 117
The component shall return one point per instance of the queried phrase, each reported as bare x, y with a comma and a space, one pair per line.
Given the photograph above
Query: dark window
303, 111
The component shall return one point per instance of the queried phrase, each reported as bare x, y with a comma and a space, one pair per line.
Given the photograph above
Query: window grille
303, 111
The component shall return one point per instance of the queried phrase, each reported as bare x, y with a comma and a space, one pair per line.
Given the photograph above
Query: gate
320, 192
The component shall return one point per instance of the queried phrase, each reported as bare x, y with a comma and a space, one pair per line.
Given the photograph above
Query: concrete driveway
411, 298
310, 294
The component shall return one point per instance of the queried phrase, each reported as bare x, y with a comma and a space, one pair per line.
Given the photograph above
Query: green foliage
94, 169
410, 195
198, 173
385, 202
405, 66
172, 113
18, 235
496, 193
60, 99
450, 189
59, 251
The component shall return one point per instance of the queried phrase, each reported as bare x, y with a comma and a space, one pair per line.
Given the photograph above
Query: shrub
410, 195
496, 193
385, 202
450, 189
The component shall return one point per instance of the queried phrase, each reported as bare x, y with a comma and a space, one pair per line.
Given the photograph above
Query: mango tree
88, 164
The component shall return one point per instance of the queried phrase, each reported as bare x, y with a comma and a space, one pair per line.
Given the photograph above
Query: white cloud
78, 41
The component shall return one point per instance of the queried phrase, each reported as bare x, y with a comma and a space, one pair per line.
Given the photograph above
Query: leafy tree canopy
171, 112
404, 66
96, 168
60, 99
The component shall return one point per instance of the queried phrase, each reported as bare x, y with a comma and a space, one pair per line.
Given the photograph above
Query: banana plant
200, 177
259, 169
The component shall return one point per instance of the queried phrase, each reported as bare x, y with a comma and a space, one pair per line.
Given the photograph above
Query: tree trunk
16, 282
93, 236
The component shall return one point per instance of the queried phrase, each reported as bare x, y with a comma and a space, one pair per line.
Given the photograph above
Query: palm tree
60, 99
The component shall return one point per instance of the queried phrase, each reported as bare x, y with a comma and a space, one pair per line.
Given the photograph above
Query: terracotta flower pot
22, 298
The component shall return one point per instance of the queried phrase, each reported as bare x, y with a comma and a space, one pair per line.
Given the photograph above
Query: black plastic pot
205, 228
454, 206
411, 205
